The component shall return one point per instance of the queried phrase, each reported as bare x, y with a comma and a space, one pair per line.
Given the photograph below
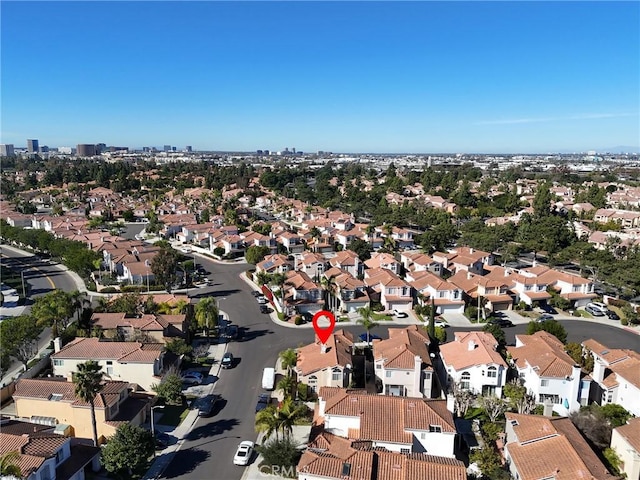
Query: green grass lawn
173, 415
381, 317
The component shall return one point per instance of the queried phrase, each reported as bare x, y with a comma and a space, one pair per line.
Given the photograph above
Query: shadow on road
217, 427
219, 293
185, 461
252, 334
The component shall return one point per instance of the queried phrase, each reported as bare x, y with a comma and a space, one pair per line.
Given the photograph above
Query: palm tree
88, 382
206, 314
9, 464
367, 320
289, 414
266, 421
329, 284
289, 359
263, 278
279, 279
287, 385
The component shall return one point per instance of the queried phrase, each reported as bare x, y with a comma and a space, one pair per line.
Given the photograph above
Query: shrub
218, 251
169, 390
281, 452
298, 320
109, 290
471, 313
133, 288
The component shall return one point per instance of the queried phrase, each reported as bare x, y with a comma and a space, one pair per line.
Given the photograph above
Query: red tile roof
93, 348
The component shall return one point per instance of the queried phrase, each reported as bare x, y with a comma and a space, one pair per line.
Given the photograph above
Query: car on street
264, 399
612, 315
227, 360
232, 332
261, 300
192, 378
399, 314
264, 309
256, 293
501, 322
549, 309
243, 453
544, 317
208, 405
440, 323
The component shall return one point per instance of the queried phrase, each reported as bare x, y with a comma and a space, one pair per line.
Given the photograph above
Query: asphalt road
208, 451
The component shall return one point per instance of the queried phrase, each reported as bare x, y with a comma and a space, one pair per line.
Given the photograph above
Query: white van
268, 378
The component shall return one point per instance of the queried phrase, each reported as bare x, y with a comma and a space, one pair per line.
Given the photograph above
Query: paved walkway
178, 434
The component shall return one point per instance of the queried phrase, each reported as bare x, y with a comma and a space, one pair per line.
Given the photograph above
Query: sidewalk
179, 433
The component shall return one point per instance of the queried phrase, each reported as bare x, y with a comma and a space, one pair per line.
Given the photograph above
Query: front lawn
381, 317
173, 415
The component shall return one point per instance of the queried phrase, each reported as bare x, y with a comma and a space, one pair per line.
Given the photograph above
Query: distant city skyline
375, 77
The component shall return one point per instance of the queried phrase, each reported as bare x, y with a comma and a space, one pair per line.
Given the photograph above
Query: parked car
612, 315
256, 293
549, 309
601, 307
232, 332
243, 453
192, 378
208, 405
501, 322
399, 314
264, 399
544, 317
261, 300
440, 323
264, 309
596, 312
227, 360
372, 337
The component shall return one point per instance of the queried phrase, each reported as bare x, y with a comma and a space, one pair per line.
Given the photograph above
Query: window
379, 366
514, 423
59, 456
555, 399
109, 370
435, 429
465, 380
544, 383
388, 374
492, 372
55, 397
423, 436
427, 376
406, 451
336, 376
58, 363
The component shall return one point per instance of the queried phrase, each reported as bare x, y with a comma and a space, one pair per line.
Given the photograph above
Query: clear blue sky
343, 77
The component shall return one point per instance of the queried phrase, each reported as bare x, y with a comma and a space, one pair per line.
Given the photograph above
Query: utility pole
24, 291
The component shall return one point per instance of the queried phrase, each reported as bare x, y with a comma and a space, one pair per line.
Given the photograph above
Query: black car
232, 332
256, 293
208, 406
227, 360
612, 315
549, 309
502, 322
263, 401
264, 309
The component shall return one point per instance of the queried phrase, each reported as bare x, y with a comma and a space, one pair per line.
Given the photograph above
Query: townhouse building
472, 361
549, 372
346, 293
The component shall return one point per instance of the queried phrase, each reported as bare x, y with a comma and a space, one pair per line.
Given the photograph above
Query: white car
192, 378
440, 323
243, 453
261, 300
399, 314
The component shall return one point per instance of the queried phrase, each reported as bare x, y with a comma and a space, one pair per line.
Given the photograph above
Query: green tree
551, 326
266, 421
288, 359
164, 266
489, 462
130, 303
169, 390
126, 454
207, 314
366, 320
497, 333
542, 201
616, 414
9, 464
283, 453
87, 383
279, 280
255, 254
19, 338
53, 309
362, 248
431, 327
178, 346
287, 385
440, 334
289, 414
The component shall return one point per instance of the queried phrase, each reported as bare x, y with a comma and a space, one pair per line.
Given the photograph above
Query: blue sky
344, 77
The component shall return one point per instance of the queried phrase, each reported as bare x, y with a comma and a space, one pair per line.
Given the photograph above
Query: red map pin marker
324, 333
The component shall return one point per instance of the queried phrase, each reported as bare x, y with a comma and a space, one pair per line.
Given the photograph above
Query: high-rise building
86, 150
167, 148
189, 148
32, 146
6, 150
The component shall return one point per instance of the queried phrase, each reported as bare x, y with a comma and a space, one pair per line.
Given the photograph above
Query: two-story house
330, 457
53, 401
446, 296
464, 258
529, 287
274, 264
302, 295
411, 425
402, 363
392, 292
347, 293
477, 288
538, 447
155, 327
473, 362
45, 455
292, 242
616, 376
416, 261
576, 289
326, 365
383, 260
549, 372
134, 362
348, 261
313, 264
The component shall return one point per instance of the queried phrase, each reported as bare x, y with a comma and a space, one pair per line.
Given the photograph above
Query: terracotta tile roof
544, 352
93, 348
44, 389
338, 353
631, 432
403, 345
401, 413
328, 456
458, 354
548, 447
32, 451
628, 369
344, 258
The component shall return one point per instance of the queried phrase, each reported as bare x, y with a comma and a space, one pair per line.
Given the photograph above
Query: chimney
472, 345
470, 250
323, 348
57, 344
469, 276
547, 408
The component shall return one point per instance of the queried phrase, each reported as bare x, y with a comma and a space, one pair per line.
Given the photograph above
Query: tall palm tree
329, 284
9, 464
288, 359
287, 385
266, 421
263, 278
366, 320
206, 314
88, 382
279, 279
